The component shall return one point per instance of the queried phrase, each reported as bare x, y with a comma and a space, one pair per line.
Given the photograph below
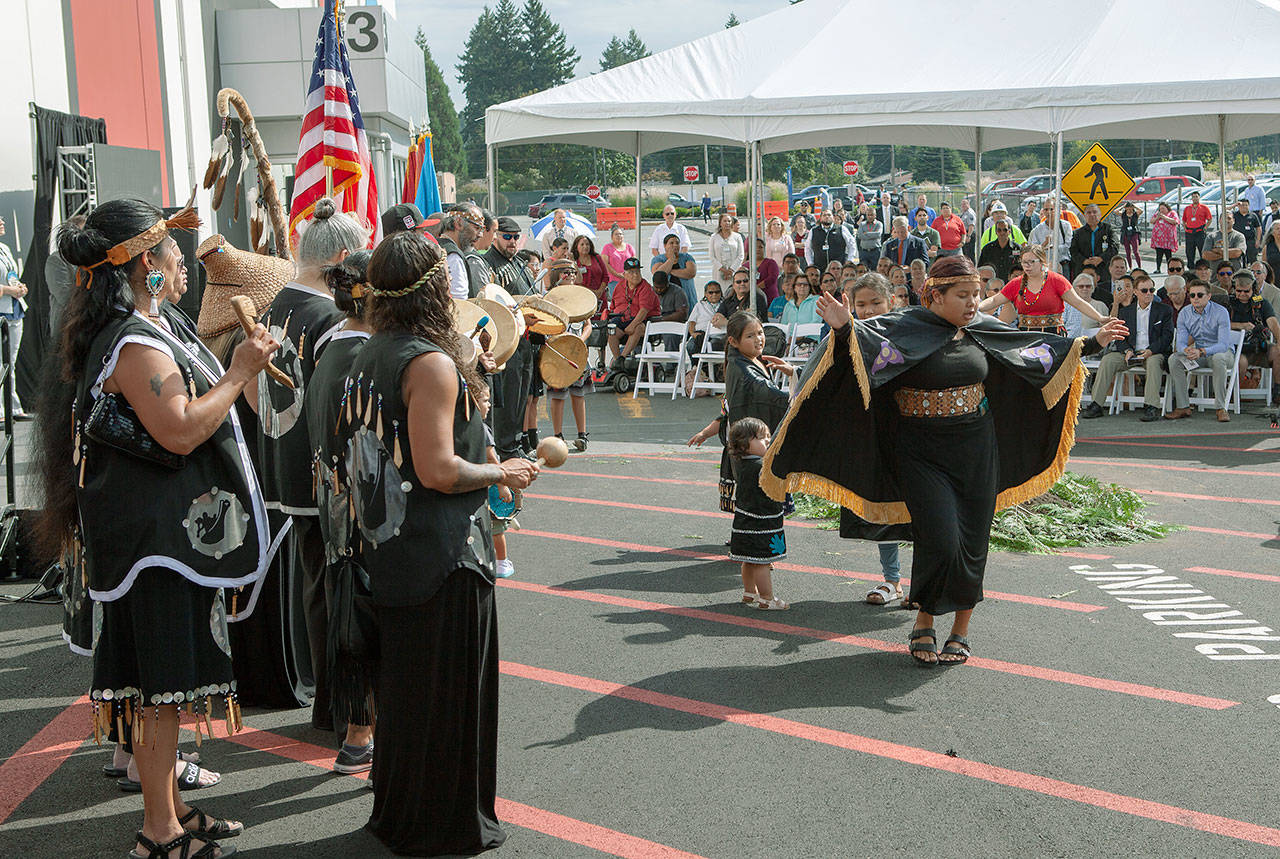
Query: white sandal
883, 594
749, 598
774, 604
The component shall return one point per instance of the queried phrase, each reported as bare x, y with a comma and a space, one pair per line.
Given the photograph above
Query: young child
576, 393
757, 539
499, 524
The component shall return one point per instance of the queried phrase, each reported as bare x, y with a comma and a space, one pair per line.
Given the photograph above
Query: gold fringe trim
1043, 481
1064, 377
877, 512
777, 487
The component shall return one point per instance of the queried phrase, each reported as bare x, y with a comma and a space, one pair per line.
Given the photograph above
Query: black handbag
113, 422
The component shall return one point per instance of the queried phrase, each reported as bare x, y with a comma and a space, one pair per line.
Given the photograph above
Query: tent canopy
1019, 73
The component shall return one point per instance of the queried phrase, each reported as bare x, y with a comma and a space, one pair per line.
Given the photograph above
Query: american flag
333, 138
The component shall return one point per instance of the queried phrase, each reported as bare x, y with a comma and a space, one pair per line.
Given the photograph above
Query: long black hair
398, 262
107, 296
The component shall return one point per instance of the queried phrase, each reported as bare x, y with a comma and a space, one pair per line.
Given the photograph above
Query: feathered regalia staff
261, 195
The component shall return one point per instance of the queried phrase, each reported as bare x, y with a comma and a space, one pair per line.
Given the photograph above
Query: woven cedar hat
230, 272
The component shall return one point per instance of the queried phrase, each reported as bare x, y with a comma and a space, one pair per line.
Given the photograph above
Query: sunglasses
735, 280
1175, 271
1198, 294
1146, 290
479, 225
511, 237
714, 292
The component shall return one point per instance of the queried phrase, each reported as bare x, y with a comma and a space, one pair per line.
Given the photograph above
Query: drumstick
484, 320
562, 355
244, 310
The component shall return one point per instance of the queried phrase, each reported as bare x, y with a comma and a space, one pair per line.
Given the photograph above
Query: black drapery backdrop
53, 129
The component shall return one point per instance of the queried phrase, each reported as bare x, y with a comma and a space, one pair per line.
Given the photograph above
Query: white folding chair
1262, 392
705, 362
1128, 379
651, 355
1202, 377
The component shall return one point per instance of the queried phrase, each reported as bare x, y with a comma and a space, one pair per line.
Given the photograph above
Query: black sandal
161, 851
950, 649
932, 647
190, 778
211, 827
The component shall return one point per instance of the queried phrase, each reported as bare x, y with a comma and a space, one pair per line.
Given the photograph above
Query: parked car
1040, 183
808, 193
1000, 186
681, 202
580, 203
1155, 187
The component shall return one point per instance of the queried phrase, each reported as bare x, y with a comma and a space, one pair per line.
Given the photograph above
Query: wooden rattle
244, 310
552, 452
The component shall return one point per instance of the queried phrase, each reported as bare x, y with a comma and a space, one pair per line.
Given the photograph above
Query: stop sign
851, 168
593, 191
691, 173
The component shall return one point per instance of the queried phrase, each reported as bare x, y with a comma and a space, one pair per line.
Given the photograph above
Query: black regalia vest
478, 272
329, 470
827, 244
510, 273
411, 537
205, 521
302, 319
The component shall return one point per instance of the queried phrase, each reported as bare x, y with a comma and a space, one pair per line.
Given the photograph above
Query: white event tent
979, 75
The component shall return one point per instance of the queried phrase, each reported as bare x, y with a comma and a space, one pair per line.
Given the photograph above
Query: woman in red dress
1040, 296
592, 272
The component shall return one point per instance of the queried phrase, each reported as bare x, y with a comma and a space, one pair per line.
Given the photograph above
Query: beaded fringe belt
939, 403
1029, 322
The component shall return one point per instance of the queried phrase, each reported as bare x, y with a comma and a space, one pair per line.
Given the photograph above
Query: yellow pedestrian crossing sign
1097, 180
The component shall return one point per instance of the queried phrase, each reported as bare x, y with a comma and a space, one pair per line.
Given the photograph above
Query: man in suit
1150, 342
885, 213
1093, 244
903, 247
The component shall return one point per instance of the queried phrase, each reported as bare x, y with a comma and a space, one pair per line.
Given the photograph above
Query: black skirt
948, 475
437, 729
163, 642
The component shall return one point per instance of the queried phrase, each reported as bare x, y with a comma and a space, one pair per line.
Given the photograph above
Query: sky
588, 25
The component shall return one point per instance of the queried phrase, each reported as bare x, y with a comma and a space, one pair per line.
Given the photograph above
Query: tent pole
639, 246
491, 167
1057, 205
1222, 175
752, 154
977, 188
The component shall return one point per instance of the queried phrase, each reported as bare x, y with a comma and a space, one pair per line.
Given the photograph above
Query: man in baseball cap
401, 217
1000, 214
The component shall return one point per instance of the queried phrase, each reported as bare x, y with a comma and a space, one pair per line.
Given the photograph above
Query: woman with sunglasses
1040, 296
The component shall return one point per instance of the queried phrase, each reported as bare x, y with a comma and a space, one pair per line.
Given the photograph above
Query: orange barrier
733, 209
622, 216
772, 209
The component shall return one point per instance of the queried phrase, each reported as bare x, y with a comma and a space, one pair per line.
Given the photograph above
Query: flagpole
339, 18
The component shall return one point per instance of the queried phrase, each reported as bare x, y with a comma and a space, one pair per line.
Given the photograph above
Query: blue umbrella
573, 220
428, 199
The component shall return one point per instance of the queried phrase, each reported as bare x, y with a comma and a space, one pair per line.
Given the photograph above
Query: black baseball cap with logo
401, 217
631, 263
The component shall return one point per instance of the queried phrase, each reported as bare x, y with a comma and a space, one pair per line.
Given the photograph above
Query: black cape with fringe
842, 431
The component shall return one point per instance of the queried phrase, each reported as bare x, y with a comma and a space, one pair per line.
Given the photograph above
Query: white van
1194, 169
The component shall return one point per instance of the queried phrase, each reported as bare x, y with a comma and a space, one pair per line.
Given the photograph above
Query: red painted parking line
1252, 535
586, 834
561, 471
909, 754
1202, 469
1186, 435
707, 460
41, 755
1262, 577
1199, 447
1193, 497
1033, 671
715, 514
783, 565
547, 822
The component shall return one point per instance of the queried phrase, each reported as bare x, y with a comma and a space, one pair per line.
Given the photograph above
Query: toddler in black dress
757, 540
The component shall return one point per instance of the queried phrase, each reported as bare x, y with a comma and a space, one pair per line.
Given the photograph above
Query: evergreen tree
549, 57
732, 22
446, 140
619, 52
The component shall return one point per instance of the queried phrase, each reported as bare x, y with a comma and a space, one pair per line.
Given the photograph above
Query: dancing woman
1040, 296
416, 457
159, 504
946, 415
